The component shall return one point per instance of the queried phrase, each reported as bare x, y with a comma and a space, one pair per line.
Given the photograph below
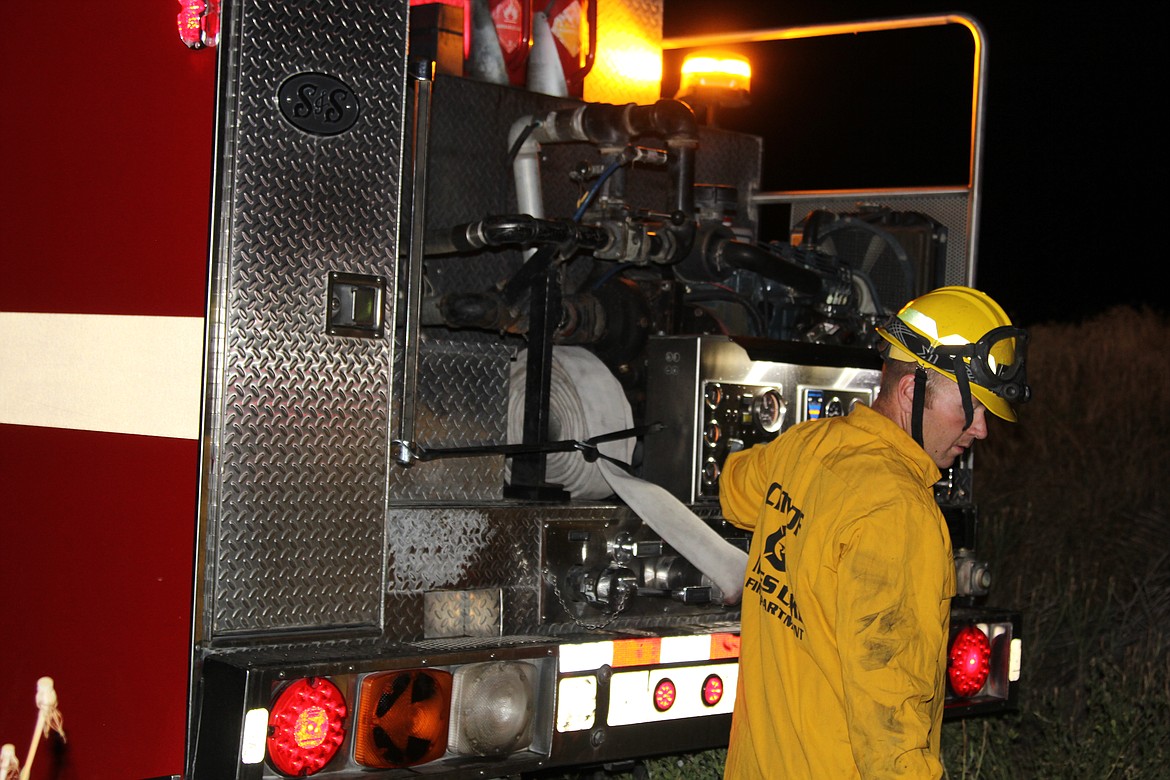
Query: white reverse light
255, 734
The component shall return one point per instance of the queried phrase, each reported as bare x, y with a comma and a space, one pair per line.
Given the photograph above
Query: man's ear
905, 394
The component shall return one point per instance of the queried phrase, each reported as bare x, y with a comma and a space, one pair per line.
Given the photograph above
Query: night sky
1073, 149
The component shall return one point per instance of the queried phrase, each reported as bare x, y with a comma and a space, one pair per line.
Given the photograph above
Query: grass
1075, 505
1076, 523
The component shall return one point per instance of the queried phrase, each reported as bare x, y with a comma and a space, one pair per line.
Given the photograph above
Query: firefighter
847, 593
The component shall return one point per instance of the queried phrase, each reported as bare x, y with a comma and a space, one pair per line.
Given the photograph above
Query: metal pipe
423, 86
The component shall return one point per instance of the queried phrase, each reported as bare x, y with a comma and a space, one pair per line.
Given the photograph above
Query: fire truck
367, 373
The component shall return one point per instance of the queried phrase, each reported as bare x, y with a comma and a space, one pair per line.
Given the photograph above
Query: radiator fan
895, 255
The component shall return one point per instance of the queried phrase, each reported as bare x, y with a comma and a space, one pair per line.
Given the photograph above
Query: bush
1076, 523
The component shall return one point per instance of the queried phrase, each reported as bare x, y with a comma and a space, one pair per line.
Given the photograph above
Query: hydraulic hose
717, 255
749, 257
514, 230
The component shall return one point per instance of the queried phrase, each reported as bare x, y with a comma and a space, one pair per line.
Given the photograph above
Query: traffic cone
545, 74
485, 61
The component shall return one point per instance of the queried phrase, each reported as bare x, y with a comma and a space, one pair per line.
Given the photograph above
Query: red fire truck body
106, 204
305, 338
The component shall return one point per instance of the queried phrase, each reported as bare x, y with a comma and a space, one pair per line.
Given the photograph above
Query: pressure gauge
710, 471
713, 394
770, 410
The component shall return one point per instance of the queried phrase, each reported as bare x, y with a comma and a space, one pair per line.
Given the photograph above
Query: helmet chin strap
919, 403
964, 390
920, 400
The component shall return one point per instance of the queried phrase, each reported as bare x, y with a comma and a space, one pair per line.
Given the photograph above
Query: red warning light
712, 690
198, 23
305, 726
970, 661
664, 695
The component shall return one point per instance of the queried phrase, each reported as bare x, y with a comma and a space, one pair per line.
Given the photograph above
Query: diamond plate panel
462, 548
462, 400
434, 553
461, 613
615, 21
296, 493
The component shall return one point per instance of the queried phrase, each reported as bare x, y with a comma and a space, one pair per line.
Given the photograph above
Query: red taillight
403, 718
970, 661
664, 695
306, 726
712, 690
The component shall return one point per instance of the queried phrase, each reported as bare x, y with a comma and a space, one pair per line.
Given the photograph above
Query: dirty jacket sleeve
892, 631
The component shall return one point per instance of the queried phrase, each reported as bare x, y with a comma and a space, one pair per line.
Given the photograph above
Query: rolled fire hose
586, 400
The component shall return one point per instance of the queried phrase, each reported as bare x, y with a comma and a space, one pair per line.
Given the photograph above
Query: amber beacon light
711, 80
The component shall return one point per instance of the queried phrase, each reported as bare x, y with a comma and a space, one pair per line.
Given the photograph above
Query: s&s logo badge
318, 104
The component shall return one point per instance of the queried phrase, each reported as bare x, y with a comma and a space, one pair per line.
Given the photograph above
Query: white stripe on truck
100, 372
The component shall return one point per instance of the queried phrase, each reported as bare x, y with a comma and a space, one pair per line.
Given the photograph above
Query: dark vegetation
1075, 504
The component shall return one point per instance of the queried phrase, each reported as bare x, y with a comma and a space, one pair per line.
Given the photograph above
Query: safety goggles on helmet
994, 362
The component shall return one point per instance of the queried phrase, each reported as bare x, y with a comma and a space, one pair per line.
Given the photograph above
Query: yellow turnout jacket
846, 603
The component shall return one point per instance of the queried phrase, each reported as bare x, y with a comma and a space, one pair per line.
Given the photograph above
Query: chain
623, 597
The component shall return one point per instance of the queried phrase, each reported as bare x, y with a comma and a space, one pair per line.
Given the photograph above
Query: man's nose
978, 426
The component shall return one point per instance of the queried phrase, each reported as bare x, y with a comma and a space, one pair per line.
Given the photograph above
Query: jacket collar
899, 440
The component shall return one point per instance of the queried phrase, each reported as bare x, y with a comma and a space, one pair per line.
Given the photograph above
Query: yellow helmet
959, 326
